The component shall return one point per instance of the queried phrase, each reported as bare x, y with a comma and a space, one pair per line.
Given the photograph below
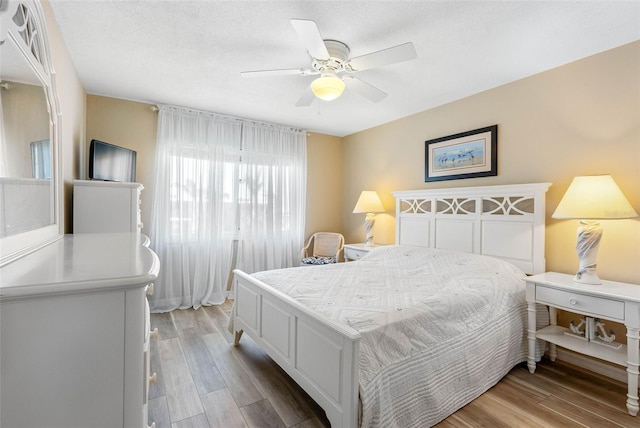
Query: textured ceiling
191, 53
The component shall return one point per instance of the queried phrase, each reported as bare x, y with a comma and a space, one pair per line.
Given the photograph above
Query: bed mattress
437, 328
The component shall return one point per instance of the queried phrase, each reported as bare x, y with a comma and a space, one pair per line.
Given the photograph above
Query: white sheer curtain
222, 184
3, 142
41, 159
188, 209
272, 198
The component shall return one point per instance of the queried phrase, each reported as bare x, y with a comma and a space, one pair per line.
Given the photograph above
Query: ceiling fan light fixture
327, 87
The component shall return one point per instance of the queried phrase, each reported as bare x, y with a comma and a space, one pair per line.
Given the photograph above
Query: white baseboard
614, 372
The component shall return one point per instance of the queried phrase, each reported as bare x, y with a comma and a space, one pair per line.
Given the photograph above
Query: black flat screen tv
111, 163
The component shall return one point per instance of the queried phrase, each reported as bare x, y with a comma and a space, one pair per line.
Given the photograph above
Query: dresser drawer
354, 254
576, 302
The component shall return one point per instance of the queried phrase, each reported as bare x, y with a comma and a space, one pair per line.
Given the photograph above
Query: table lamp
370, 203
592, 198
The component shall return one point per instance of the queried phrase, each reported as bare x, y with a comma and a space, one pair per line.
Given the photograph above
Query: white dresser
74, 333
106, 206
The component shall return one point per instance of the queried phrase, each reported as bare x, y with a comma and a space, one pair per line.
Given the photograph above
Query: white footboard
319, 354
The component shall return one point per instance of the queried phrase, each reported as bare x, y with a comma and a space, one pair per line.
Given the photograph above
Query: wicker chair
322, 248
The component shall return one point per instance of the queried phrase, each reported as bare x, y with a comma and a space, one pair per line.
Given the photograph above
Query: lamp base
587, 278
368, 227
589, 235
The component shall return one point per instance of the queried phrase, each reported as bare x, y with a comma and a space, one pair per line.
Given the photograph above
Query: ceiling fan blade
400, 53
281, 72
310, 35
306, 98
364, 89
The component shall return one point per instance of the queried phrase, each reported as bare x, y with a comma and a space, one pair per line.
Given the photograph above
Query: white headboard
507, 221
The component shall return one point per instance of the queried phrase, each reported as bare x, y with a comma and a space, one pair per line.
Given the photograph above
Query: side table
614, 301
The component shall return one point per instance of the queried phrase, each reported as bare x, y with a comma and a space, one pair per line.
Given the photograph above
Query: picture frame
465, 155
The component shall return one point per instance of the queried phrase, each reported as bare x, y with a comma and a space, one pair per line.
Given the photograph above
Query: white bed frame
322, 355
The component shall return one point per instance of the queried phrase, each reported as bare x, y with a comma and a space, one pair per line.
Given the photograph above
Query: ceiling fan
330, 60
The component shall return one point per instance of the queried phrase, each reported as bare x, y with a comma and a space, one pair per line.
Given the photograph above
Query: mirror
29, 120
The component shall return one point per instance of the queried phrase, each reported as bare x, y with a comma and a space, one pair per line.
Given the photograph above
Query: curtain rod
157, 108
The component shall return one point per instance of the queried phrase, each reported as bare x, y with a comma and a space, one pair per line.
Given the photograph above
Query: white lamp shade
327, 87
595, 197
369, 202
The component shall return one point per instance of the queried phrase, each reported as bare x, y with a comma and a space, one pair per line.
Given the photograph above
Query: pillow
318, 260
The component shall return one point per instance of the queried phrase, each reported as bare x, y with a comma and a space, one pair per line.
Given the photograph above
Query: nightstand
356, 251
614, 301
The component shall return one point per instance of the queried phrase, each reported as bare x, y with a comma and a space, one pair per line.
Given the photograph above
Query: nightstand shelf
557, 335
613, 301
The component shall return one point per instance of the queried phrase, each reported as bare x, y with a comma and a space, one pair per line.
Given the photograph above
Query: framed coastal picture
466, 155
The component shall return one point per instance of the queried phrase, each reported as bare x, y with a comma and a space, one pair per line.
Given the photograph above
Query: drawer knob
153, 334
153, 379
573, 301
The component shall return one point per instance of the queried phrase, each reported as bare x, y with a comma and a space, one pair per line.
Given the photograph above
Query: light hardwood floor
203, 381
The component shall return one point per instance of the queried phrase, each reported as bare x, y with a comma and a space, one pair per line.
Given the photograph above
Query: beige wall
25, 119
127, 124
324, 184
71, 97
579, 119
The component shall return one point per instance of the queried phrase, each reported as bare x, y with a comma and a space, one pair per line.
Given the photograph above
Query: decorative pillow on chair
318, 260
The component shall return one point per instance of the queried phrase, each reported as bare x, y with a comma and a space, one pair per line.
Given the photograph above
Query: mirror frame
31, 39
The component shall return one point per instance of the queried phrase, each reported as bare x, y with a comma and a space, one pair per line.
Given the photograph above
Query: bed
411, 332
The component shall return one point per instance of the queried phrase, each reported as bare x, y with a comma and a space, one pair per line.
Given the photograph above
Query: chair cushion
318, 260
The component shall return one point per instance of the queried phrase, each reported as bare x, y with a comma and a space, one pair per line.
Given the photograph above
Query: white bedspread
438, 328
